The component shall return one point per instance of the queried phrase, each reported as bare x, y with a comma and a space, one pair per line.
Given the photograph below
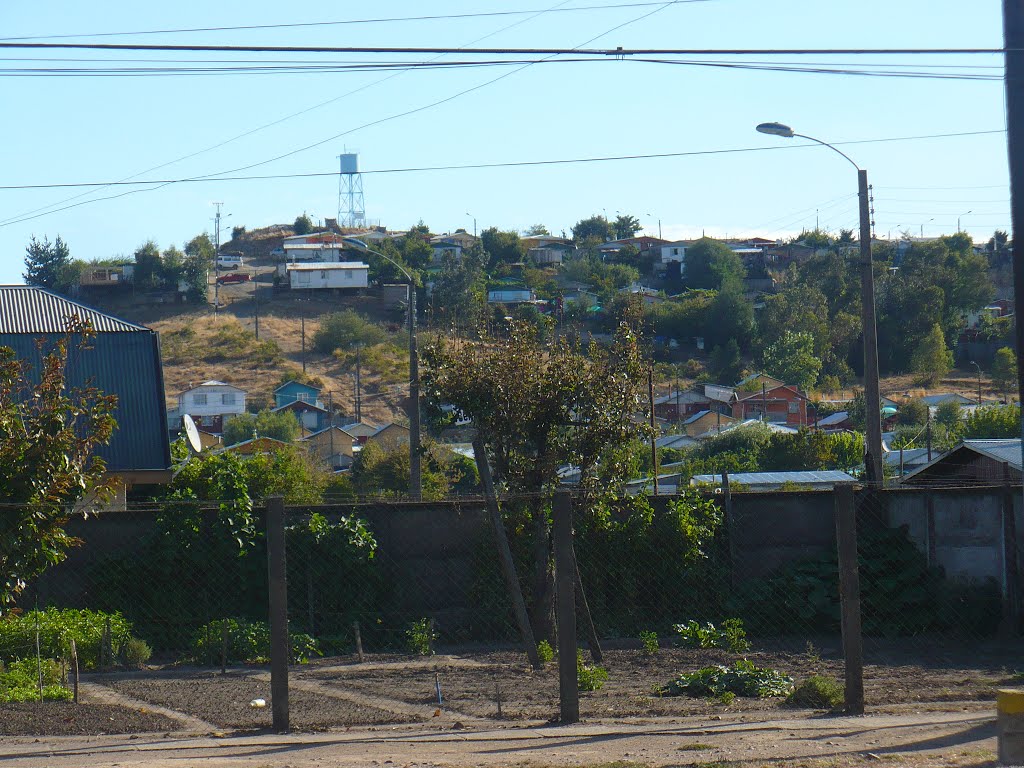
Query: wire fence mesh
671, 585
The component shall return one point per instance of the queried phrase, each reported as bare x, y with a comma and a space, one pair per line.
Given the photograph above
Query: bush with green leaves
649, 643
589, 677
545, 652
817, 692
57, 627
19, 681
248, 642
420, 637
741, 679
730, 637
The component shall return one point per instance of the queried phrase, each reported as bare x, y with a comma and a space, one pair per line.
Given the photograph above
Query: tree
710, 263
726, 363
283, 426
932, 359
345, 330
1004, 370
148, 266
792, 359
537, 229
595, 228
502, 247
48, 437
458, 295
948, 414
730, 316
381, 470
303, 225
913, 412
625, 226
196, 276
201, 247
45, 263
993, 423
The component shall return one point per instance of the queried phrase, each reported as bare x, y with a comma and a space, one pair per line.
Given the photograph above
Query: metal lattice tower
351, 204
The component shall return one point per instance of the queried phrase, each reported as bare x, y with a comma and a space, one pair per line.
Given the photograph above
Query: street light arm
826, 144
362, 247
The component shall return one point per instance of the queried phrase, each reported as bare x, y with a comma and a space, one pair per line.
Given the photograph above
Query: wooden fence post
565, 609
280, 647
849, 594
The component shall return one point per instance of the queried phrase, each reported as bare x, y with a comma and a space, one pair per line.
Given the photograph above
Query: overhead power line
509, 51
508, 164
343, 22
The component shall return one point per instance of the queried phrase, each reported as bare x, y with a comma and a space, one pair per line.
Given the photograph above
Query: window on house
794, 407
228, 398
348, 274
199, 399
323, 274
207, 421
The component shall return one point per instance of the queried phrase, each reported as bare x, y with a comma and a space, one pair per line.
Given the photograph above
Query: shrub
589, 677
19, 681
545, 652
135, 652
649, 643
57, 627
817, 692
742, 679
420, 637
731, 637
248, 642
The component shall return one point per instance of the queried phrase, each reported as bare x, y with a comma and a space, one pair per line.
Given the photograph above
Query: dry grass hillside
201, 346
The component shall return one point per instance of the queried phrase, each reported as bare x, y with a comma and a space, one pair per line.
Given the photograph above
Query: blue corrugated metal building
123, 359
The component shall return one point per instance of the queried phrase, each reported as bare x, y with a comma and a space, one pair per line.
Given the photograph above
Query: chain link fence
399, 612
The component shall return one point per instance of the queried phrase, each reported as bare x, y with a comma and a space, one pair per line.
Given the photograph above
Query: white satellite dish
191, 434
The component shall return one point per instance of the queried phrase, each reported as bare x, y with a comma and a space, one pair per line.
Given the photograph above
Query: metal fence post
849, 595
565, 608
280, 647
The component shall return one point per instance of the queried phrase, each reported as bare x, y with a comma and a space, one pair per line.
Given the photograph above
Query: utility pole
359, 388
303, 322
216, 262
1013, 43
654, 432
872, 412
415, 473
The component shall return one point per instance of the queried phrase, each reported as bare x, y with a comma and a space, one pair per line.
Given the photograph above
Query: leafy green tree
711, 263
502, 247
932, 359
1004, 370
726, 363
948, 414
45, 263
594, 228
792, 359
194, 272
173, 265
345, 330
625, 226
303, 225
913, 412
458, 295
993, 423
201, 247
48, 436
730, 316
384, 471
238, 233
283, 426
537, 229
148, 266
816, 238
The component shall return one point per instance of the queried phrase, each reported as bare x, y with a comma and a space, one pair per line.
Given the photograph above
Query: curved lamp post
958, 230
872, 401
415, 475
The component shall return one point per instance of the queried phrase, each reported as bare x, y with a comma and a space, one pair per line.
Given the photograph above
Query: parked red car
234, 277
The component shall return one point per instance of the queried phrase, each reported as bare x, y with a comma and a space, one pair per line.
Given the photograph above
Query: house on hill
294, 390
973, 462
707, 421
783, 404
320, 275
360, 431
122, 359
332, 447
311, 416
390, 436
210, 404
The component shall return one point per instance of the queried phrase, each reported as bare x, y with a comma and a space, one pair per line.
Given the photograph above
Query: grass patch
817, 692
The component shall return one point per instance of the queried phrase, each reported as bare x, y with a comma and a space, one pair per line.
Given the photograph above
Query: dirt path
961, 739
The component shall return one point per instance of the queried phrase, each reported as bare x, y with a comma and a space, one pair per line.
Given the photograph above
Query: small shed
973, 462
320, 275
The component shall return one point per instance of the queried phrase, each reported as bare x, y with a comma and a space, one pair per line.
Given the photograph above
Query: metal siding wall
125, 364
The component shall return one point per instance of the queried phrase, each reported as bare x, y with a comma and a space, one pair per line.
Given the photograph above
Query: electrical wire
390, 20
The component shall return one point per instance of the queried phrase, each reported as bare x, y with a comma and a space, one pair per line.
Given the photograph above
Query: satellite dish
191, 434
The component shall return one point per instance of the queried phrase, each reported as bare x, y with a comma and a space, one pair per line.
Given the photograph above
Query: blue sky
88, 129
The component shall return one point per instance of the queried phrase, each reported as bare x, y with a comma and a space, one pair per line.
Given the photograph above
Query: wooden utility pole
849, 596
654, 431
565, 609
280, 647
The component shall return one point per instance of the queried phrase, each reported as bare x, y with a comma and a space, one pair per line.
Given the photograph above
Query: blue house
294, 391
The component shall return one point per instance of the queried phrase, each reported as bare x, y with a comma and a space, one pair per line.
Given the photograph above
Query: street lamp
873, 436
415, 476
923, 223
958, 220
979, 380
474, 222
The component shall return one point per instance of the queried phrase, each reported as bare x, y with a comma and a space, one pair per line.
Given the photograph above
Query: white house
310, 253
443, 248
316, 275
675, 251
210, 405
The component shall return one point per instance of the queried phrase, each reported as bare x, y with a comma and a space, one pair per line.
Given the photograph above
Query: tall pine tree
45, 263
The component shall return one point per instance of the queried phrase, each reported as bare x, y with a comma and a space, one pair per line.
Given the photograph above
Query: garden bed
64, 718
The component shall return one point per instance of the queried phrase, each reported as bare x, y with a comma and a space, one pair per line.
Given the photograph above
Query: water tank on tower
351, 204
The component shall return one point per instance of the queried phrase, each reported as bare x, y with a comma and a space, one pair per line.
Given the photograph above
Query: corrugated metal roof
27, 309
1001, 450
778, 478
